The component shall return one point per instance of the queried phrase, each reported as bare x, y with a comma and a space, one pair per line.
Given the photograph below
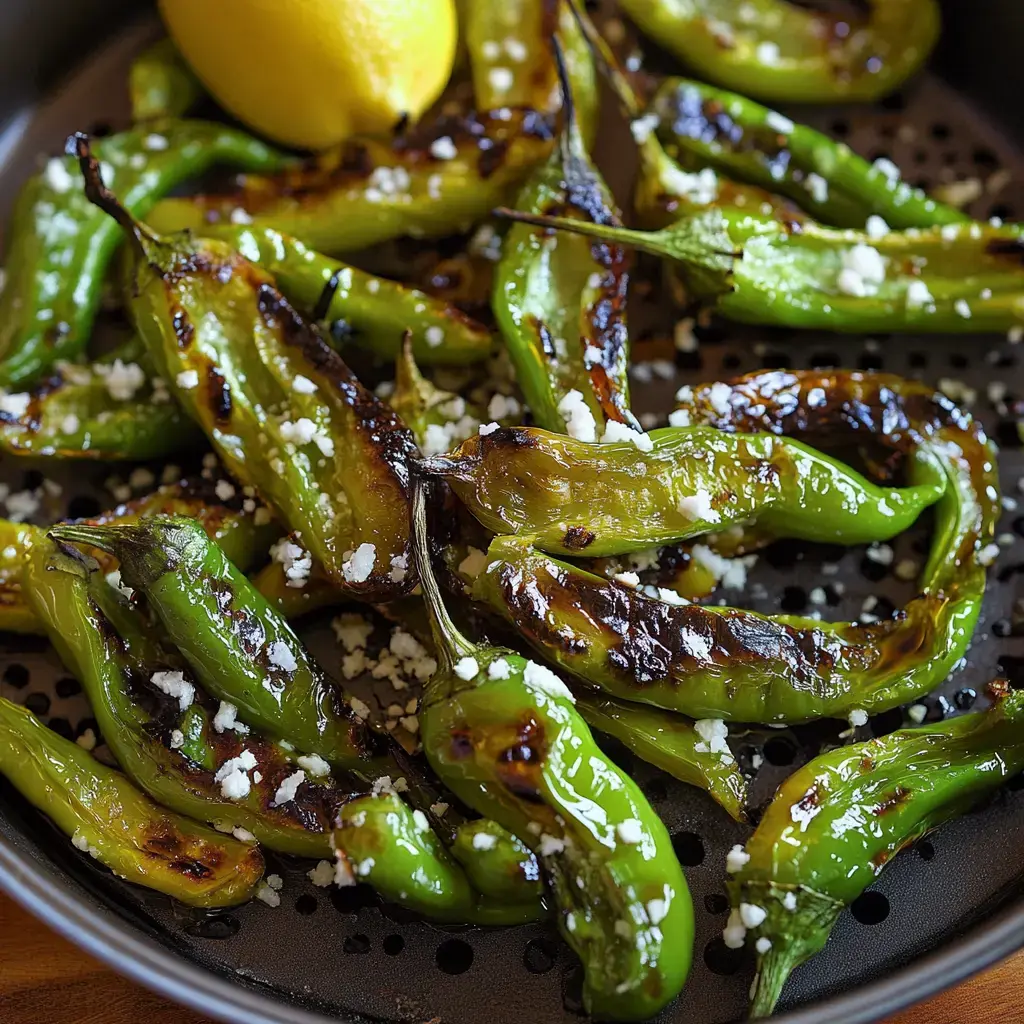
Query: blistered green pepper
670, 743
184, 757
778, 50
570, 497
561, 302
382, 841
712, 662
435, 183
496, 863
762, 268
376, 312
107, 817
837, 821
60, 246
161, 84
108, 411
708, 127
503, 735
283, 410
241, 650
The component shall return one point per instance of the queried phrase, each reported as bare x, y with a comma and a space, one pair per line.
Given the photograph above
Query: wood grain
45, 980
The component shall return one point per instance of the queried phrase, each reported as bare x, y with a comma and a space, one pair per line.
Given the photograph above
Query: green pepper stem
606, 61
773, 971
99, 195
450, 642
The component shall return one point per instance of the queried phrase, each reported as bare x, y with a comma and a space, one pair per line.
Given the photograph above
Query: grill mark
184, 329
218, 395
578, 537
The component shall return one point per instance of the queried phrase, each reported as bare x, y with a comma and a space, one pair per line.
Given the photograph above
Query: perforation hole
454, 956
306, 904
357, 944
716, 902
540, 955
689, 848
16, 676
393, 945
870, 907
722, 960
779, 751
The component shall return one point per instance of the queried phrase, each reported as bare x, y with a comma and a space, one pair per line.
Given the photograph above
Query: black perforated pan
941, 911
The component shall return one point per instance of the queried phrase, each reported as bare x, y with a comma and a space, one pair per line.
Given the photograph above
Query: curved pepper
510, 53
106, 816
670, 743
380, 840
173, 755
16, 539
574, 498
282, 409
714, 662
375, 310
711, 127
762, 268
503, 735
241, 650
496, 863
72, 414
777, 50
837, 821
161, 84
561, 301
61, 246
370, 191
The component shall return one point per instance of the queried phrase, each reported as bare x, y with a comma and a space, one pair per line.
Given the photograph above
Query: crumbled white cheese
550, 845
876, 227
700, 188
443, 148
227, 718
280, 655
615, 432
489, 428
500, 79
789, 901
122, 380
499, 669
177, 740
296, 562
473, 564
484, 841
752, 915
289, 787
303, 385
579, 420
817, 187
542, 678
679, 418
314, 765
15, 405
187, 379
858, 717
734, 934
352, 630
629, 579
715, 733
736, 859
763, 944
233, 778
642, 127
768, 53
918, 295
917, 713
358, 567
962, 308
175, 685
698, 507
863, 271
467, 668
322, 875
267, 895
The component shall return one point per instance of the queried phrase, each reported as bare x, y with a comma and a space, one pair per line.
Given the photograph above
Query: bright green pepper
503, 735
760, 268
61, 246
561, 302
837, 821
77, 413
161, 84
570, 497
16, 539
725, 663
282, 409
370, 191
382, 841
672, 744
375, 310
106, 816
778, 50
241, 650
709, 127
515, 36
496, 863
176, 754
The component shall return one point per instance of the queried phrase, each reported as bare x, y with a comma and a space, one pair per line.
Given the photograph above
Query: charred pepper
724, 663
61, 246
503, 734
241, 650
283, 410
570, 497
778, 50
837, 821
107, 817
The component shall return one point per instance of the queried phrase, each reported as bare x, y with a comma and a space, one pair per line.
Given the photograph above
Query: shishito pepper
79, 412
708, 127
175, 753
496, 863
561, 301
837, 821
380, 840
60, 246
429, 184
715, 662
241, 650
504, 736
283, 410
671, 743
573, 498
765, 268
106, 816
778, 50
161, 84
376, 312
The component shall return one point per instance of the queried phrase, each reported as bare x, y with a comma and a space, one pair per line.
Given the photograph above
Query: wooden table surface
45, 980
